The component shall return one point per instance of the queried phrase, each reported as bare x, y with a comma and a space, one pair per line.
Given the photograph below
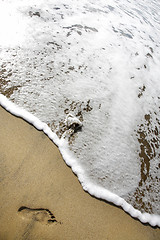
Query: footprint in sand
37, 214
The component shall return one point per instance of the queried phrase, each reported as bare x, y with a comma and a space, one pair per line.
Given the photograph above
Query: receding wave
90, 71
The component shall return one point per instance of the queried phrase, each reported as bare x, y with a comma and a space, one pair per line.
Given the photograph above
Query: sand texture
40, 197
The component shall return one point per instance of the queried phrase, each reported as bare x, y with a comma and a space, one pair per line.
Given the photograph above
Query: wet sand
40, 197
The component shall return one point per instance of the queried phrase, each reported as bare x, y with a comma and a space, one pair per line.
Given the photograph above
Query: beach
87, 74
41, 198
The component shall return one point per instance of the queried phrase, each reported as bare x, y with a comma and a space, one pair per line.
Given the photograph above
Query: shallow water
100, 62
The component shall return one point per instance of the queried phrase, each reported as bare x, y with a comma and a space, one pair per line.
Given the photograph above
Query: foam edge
92, 189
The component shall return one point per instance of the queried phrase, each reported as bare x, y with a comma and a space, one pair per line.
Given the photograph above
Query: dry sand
40, 197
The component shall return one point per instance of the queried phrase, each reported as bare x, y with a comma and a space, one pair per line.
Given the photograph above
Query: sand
40, 197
